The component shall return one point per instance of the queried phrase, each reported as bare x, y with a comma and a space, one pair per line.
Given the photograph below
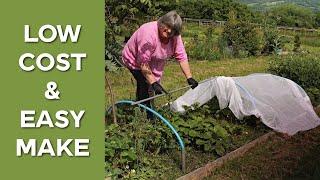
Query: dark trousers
142, 91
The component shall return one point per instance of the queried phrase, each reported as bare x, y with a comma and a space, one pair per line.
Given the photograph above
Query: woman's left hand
192, 82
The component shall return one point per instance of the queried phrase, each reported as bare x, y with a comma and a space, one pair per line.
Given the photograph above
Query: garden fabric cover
280, 103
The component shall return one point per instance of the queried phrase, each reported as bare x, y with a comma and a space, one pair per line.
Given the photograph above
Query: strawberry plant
201, 130
127, 143
132, 145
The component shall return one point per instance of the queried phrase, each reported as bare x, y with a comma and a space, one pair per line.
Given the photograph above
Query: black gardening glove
158, 89
193, 83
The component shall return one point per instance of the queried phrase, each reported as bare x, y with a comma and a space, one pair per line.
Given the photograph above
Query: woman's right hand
158, 89
147, 73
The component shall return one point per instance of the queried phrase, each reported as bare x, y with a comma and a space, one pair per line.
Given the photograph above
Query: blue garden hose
165, 121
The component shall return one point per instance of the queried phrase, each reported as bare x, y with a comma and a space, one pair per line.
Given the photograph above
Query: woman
148, 49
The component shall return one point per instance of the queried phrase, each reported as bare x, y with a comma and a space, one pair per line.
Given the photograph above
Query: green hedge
302, 69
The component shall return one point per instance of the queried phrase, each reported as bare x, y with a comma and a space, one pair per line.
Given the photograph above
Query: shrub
274, 42
127, 143
297, 43
314, 94
243, 38
113, 56
204, 49
225, 51
111, 66
112, 48
304, 70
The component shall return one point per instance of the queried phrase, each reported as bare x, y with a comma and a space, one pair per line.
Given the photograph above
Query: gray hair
173, 21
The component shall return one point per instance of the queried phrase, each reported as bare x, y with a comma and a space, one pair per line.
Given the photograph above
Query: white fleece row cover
280, 103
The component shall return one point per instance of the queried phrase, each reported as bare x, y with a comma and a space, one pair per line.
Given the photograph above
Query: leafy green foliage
263, 5
127, 144
117, 18
131, 146
113, 56
243, 38
124, 17
274, 42
292, 13
317, 19
293, 16
314, 95
216, 10
297, 43
203, 128
224, 49
111, 66
203, 49
302, 69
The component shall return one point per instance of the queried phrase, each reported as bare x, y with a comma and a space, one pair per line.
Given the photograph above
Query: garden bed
142, 149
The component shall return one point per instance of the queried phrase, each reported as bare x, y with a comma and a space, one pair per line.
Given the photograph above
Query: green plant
314, 95
113, 53
216, 10
293, 15
133, 146
317, 19
204, 49
297, 43
111, 66
128, 143
225, 51
242, 38
203, 128
119, 22
274, 41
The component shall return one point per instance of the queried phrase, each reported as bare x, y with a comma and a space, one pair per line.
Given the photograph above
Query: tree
209, 9
242, 37
293, 16
122, 18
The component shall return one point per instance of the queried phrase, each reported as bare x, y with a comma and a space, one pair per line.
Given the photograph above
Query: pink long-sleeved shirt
145, 46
